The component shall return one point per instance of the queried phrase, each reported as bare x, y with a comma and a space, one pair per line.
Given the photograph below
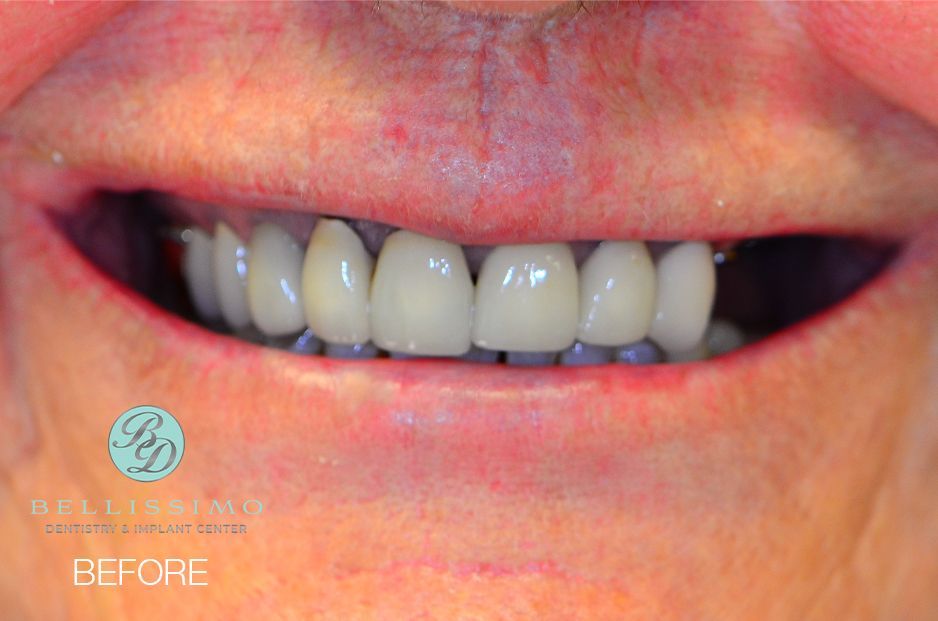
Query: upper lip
489, 131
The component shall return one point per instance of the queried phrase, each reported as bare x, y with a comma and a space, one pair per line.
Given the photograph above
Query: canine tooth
526, 299
197, 270
336, 279
583, 354
685, 288
530, 358
723, 337
359, 351
230, 265
642, 352
421, 297
617, 294
274, 276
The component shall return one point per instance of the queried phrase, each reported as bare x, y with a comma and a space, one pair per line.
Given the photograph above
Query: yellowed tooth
230, 265
274, 276
526, 299
617, 294
421, 297
686, 284
198, 274
336, 281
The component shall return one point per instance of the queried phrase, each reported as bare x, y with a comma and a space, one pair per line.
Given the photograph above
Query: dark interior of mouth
764, 285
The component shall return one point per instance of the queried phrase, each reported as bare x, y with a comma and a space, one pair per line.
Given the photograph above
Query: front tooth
274, 275
617, 294
336, 279
197, 270
526, 299
230, 264
421, 297
685, 289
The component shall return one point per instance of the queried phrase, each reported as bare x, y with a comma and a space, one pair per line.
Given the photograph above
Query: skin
794, 479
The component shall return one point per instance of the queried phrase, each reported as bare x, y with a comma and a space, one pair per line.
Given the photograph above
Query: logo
146, 443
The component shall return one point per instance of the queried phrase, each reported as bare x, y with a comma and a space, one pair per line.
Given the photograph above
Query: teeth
526, 299
685, 289
336, 279
421, 297
582, 354
197, 270
274, 276
629, 302
230, 264
617, 294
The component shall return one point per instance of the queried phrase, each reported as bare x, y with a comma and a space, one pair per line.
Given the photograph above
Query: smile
575, 302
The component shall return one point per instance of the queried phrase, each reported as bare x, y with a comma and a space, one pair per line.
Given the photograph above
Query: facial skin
795, 479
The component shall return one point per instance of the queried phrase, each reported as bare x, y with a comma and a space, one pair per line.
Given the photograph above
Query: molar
230, 266
197, 271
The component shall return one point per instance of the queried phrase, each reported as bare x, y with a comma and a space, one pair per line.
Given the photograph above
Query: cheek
891, 46
36, 36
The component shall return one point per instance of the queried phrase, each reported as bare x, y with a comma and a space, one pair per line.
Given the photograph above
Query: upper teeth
336, 278
274, 274
420, 299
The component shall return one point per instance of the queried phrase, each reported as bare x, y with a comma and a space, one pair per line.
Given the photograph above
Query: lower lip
356, 427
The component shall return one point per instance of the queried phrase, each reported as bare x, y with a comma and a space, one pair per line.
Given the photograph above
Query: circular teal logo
146, 443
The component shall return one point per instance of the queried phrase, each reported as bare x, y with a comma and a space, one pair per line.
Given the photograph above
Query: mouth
704, 257
447, 226
450, 225
357, 289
